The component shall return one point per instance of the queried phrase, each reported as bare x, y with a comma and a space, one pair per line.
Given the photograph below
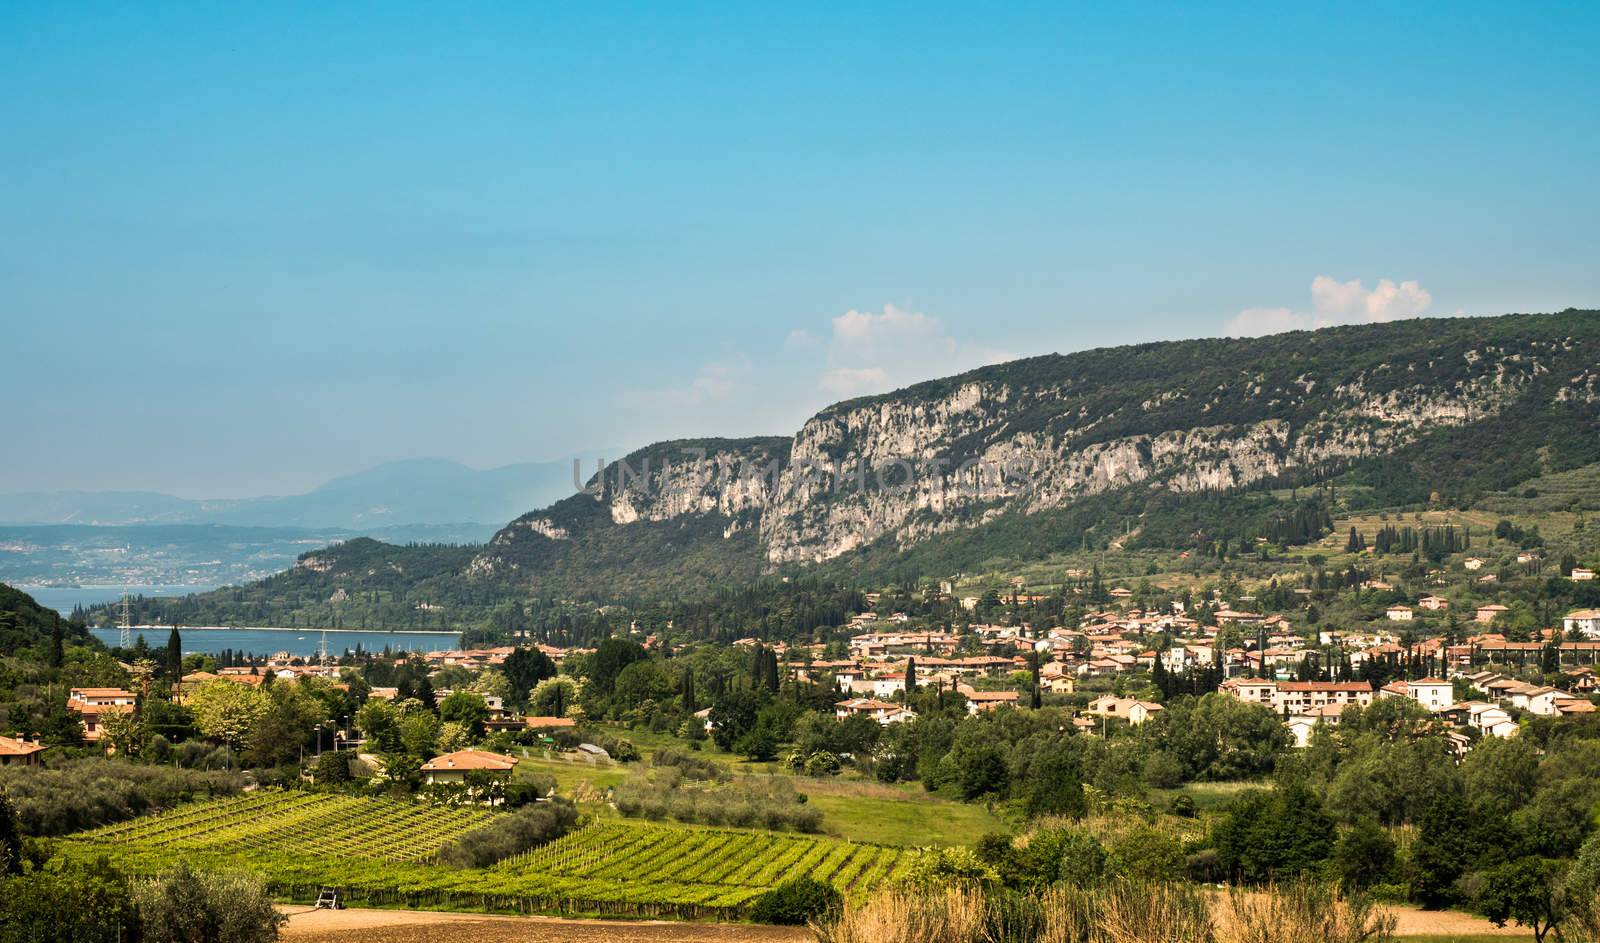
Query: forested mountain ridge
1032, 457
27, 626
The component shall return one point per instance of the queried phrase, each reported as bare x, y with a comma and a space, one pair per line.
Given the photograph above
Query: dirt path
424, 926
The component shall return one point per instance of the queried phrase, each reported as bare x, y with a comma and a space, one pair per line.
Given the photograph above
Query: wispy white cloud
852, 381
1335, 302
872, 352
858, 353
715, 381
800, 339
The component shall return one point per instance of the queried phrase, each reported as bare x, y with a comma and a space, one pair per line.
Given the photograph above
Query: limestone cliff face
1039, 434
970, 461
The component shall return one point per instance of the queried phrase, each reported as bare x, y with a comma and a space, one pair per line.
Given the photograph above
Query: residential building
1585, 621
1133, 710
454, 767
881, 711
1491, 612
1297, 697
93, 705
19, 752
989, 700
1435, 694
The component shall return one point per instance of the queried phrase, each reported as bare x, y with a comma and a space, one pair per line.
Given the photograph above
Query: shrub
795, 902
692, 767
10, 838
84, 793
749, 803
332, 768
72, 905
186, 906
511, 834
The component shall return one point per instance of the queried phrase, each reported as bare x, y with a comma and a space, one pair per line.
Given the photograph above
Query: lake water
294, 641
63, 598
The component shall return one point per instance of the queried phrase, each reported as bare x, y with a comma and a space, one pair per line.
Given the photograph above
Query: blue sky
244, 250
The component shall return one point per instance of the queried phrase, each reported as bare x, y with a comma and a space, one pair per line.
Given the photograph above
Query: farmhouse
1433, 603
453, 767
1581, 574
19, 752
1490, 612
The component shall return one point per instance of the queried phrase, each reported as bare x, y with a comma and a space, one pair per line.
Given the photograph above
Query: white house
1490, 719
1586, 621
1581, 574
1302, 728
1433, 693
888, 685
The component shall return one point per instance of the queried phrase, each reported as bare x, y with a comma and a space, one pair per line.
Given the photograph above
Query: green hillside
27, 628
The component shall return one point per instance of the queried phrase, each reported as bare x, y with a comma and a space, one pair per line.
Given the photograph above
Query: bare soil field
1448, 923
420, 926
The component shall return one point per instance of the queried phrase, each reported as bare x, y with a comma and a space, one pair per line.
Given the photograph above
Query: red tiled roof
11, 747
469, 760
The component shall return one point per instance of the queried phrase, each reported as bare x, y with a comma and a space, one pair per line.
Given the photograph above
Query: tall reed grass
1119, 912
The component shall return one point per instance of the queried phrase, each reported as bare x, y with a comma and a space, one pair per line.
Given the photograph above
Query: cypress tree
174, 663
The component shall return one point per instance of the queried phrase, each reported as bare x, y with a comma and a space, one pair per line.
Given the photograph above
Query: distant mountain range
403, 493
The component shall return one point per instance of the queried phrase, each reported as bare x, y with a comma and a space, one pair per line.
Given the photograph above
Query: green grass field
853, 809
896, 815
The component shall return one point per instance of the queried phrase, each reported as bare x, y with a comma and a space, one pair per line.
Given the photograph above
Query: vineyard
381, 852
715, 867
301, 822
